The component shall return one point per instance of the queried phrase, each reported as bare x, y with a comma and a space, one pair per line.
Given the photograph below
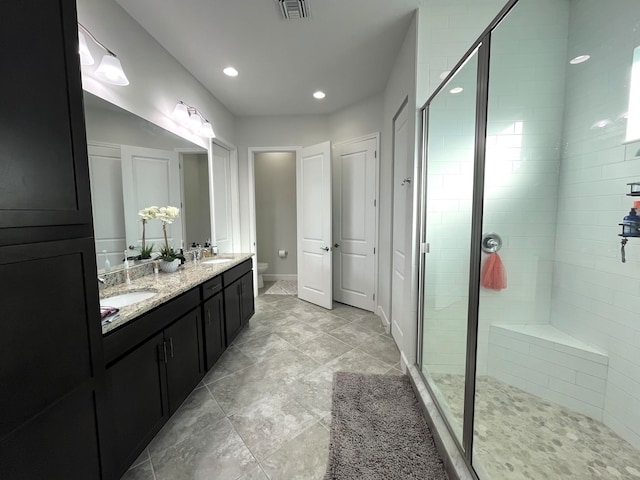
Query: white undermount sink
126, 299
216, 261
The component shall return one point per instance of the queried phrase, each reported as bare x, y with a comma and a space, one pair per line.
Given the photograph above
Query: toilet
262, 268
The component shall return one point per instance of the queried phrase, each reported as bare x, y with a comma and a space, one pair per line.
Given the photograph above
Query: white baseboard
404, 363
274, 277
385, 321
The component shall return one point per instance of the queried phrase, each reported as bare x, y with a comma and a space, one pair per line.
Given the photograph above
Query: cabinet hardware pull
171, 346
208, 317
164, 348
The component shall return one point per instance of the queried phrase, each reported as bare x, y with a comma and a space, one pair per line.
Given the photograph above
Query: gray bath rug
378, 431
283, 287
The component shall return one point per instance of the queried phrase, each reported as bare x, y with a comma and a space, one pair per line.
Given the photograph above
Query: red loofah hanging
494, 276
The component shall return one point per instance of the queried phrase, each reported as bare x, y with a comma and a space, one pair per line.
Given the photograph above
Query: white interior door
150, 177
313, 198
401, 200
354, 177
105, 173
222, 210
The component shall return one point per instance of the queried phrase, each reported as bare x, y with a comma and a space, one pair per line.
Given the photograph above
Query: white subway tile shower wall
595, 296
447, 29
542, 360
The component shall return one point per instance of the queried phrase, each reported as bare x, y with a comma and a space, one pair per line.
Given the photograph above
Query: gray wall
195, 171
275, 174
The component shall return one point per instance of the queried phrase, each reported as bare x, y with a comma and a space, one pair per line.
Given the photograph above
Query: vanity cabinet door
184, 357
138, 407
248, 307
233, 310
43, 151
214, 341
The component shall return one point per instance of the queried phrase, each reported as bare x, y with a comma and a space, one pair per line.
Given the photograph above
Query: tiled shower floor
264, 410
520, 436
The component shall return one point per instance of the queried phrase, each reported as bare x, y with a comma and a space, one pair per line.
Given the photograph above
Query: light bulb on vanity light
195, 122
207, 130
110, 70
181, 113
85, 55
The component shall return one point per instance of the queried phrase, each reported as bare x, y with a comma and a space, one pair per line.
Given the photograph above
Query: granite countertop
167, 286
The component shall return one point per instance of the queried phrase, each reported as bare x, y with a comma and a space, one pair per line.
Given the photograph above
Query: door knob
336, 245
326, 249
406, 180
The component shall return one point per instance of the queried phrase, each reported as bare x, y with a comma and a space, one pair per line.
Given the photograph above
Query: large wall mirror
135, 164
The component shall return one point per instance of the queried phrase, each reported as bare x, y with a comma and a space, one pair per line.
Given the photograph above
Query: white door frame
234, 190
251, 177
376, 136
181, 153
404, 104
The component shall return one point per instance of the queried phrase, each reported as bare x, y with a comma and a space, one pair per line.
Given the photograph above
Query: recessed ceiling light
456, 90
444, 74
601, 123
231, 72
319, 95
579, 59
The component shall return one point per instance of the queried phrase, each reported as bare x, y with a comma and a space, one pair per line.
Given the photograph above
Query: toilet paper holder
282, 253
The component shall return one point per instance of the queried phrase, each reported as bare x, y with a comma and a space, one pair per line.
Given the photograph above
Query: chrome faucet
101, 280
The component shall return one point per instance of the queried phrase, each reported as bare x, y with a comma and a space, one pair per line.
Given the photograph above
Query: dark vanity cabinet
238, 298
213, 320
51, 368
154, 361
136, 403
153, 364
182, 356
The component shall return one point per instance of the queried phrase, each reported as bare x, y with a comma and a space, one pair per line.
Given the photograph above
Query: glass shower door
448, 204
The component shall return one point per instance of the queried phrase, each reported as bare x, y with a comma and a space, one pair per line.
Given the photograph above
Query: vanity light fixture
319, 95
191, 118
230, 72
85, 55
110, 68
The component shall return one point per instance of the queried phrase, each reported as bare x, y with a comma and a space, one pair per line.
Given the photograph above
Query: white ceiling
346, 48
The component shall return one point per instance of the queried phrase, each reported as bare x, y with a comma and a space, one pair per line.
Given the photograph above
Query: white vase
169, 267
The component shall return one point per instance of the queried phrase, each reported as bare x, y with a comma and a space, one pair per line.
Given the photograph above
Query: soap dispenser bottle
107, 263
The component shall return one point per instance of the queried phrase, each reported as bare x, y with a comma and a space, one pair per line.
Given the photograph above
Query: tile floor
264, 410
519, 436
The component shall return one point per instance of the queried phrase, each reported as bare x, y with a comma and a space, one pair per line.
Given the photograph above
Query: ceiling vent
294, 9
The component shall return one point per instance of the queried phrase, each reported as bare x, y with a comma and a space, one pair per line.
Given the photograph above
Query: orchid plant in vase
145, 215
167, 215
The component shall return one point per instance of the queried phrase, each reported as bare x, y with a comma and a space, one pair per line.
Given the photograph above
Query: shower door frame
483, 47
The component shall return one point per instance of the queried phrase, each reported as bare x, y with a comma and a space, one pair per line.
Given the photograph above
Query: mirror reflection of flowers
145, 215
167, 215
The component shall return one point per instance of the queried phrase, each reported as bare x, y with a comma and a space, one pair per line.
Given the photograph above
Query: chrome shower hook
491, 243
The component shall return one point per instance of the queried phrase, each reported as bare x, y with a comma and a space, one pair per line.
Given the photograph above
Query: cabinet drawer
211, 287
236, 272
122, 340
